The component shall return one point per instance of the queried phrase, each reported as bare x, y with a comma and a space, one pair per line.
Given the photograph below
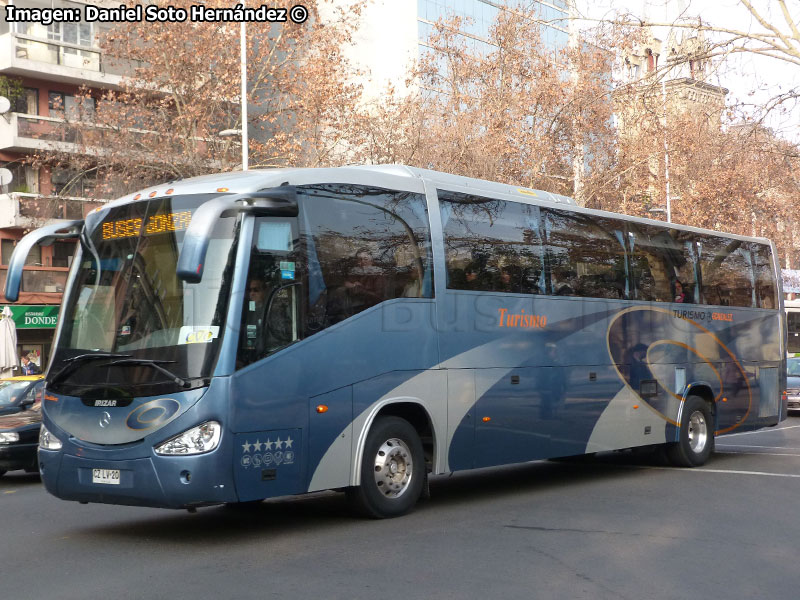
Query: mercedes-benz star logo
105, 419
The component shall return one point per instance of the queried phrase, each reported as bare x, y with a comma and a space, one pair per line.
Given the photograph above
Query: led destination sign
125, 228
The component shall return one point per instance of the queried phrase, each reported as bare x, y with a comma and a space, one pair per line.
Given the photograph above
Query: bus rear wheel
393, 470
696, 437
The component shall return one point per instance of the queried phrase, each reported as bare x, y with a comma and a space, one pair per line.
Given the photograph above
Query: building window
63, 105
79, 109
6, 248
72, 183
76, 33
633, 70
24, 178
79, 34
34, 256
28, 102
651, 63
54, 32
44, 281
62, 254
55, 104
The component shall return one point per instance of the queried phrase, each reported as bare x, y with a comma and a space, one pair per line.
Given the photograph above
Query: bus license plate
108, 476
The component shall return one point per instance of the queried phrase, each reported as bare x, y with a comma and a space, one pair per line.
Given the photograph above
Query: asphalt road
616, 527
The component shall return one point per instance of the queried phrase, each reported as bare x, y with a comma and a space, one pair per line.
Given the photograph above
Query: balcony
39, 280
28, 133
31, 56
33, 210
40, 285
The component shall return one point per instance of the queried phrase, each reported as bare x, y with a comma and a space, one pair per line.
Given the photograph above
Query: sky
749, 78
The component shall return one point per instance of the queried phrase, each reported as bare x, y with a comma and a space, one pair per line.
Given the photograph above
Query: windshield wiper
74, 362
95, 355
156, 364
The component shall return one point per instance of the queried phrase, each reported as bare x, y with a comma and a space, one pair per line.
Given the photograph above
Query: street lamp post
243, 68
666, 151
243, 51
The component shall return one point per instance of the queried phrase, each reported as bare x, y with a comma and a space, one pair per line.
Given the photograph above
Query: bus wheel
392, 470
696, 437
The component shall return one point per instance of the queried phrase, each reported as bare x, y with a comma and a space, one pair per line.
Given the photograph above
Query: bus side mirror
43, 236
275, 202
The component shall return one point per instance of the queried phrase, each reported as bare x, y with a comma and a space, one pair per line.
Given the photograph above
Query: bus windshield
127, 304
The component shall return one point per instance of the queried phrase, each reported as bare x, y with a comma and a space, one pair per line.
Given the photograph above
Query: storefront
35, 326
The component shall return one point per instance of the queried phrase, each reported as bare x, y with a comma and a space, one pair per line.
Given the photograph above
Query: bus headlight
200, 439
47, 441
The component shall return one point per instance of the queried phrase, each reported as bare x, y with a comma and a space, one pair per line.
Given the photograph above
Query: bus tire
696, 436
393, 471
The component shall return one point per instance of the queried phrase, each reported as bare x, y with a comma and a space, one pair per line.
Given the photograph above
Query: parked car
14, 390
20, 420
793, 382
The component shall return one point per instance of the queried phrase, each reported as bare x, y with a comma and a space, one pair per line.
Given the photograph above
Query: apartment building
49, 63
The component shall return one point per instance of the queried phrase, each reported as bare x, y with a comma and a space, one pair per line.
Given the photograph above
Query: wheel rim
698, 432
394, 468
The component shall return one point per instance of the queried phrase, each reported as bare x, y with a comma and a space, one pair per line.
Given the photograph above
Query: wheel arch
703, 390
694, 441
409, 409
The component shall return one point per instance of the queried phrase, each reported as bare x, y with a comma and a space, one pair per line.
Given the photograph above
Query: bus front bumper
157, 481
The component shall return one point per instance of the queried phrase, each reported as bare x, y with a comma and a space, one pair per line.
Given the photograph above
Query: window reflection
726, 268
586, 255
662, 264
351, 248
502, 246
492, 245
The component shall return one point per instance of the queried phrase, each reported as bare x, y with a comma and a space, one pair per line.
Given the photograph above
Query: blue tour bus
248, 335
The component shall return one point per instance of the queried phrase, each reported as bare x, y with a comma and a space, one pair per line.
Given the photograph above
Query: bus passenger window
727, 271
364, 246
659, 259
764, 276
492, 245
586, 255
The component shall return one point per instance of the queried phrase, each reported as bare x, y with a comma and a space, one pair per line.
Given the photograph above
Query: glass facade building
479, 15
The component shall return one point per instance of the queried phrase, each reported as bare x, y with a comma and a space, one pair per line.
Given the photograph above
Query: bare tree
505, 112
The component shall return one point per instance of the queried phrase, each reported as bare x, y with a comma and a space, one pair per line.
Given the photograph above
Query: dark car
20, 420
15, 390
793, 382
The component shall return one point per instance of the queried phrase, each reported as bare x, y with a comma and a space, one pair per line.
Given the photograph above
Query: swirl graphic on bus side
672, 342
153, 414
